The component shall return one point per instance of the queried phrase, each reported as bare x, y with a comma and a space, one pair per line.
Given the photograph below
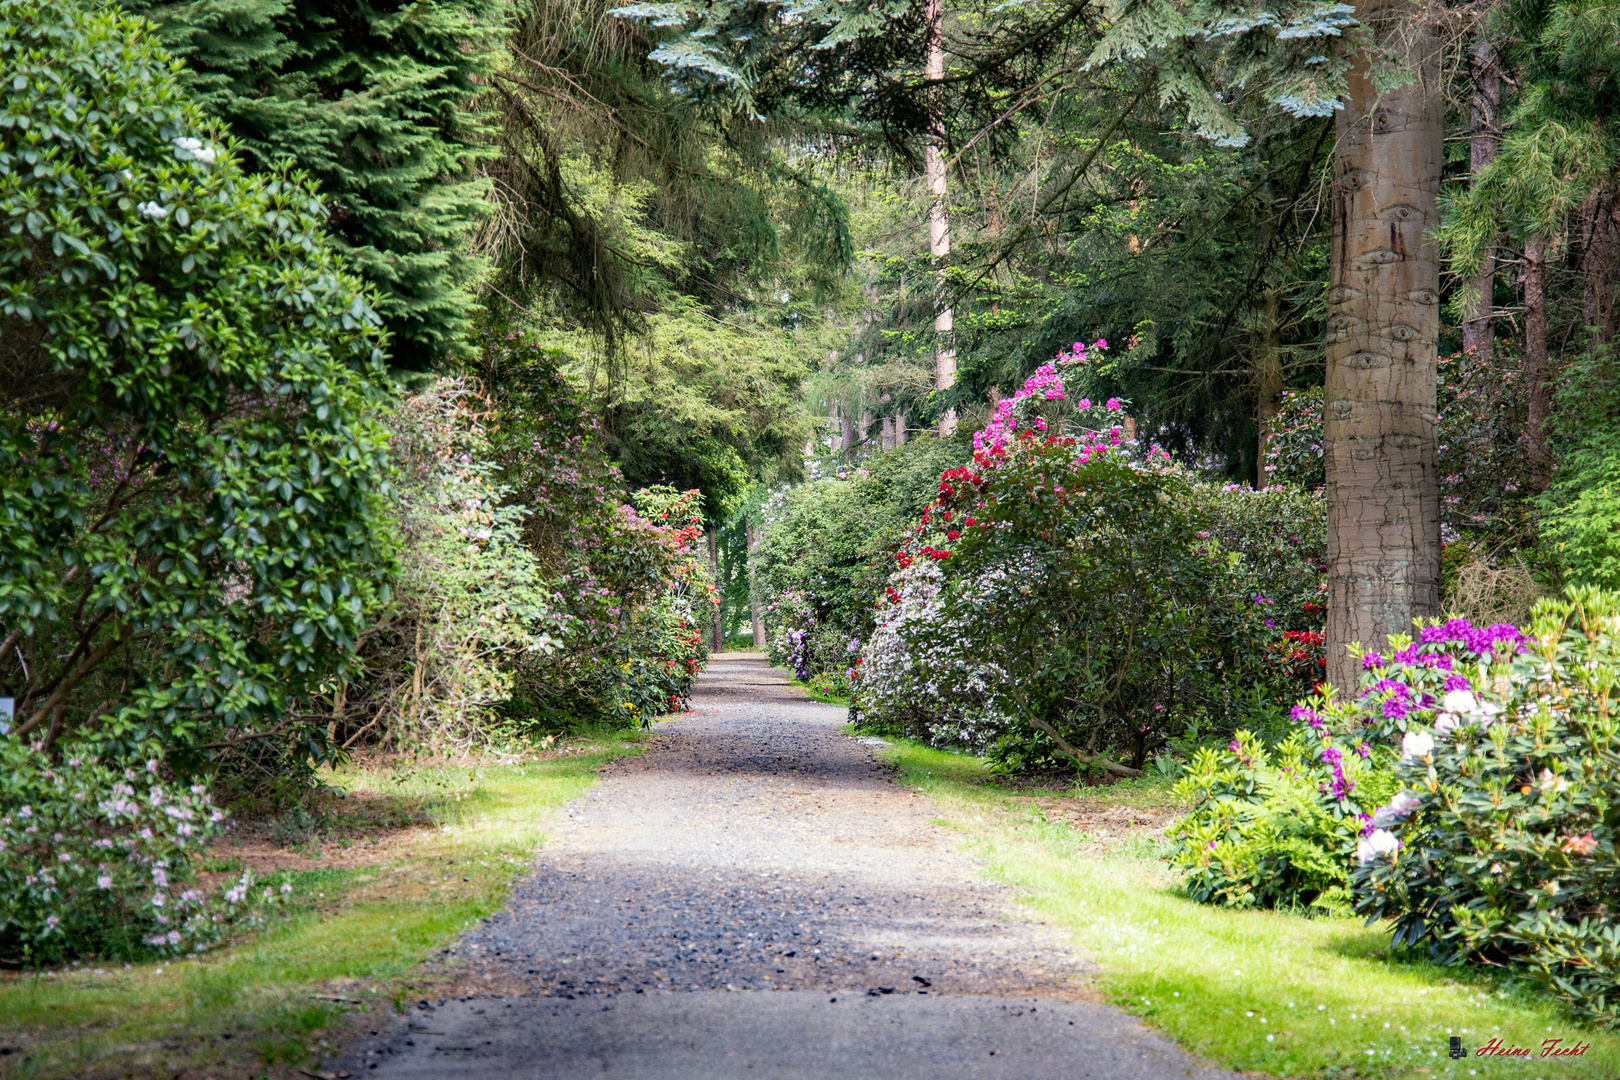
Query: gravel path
755, 847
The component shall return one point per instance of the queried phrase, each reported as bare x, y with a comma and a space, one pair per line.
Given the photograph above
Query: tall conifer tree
379, 103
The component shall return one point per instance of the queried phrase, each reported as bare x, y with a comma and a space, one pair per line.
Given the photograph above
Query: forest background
418, 379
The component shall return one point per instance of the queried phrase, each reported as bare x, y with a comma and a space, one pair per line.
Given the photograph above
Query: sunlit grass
1270, 992
358, 934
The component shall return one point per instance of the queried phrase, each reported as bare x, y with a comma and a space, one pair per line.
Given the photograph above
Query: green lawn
1262, 991
356, 934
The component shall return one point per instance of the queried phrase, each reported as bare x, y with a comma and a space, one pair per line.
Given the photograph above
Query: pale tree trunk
939, 225
900, 429
1485, 137
1383, 495
846, 426
755, 613
1268, 378
1537, 372
716, 640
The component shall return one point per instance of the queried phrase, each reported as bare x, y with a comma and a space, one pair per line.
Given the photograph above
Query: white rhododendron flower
1416, 744
153, 210
188, 149
1381, 842
1459, 701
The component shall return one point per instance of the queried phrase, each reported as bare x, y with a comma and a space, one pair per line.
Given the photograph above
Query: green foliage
191, 474
1580, 523
700, 404
1281, 534
380, 104
1294, 449
1268, 828
1559, 146
832, 686
827, 546
1507, 851
616, 193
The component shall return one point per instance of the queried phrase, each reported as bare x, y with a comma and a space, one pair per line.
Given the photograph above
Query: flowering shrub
802, 643
95, 861
828, 547
1501, 848
1072, 601
1276, 828
1281, 828
621, 571
469, 601
1281, 534
1294, 446
192, 471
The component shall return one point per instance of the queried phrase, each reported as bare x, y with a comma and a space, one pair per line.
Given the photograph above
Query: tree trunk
755, 611
716, 638
1537, 372
1486, 136
1268, 377
1383, 495
900, 429
939, 225
846, 427
1598, 256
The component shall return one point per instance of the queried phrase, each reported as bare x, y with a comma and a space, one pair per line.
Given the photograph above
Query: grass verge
1263, 991
352, 941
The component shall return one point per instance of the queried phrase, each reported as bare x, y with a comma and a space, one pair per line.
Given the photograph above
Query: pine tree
380, 103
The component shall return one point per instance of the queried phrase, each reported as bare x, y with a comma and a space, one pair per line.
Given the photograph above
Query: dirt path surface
755, 847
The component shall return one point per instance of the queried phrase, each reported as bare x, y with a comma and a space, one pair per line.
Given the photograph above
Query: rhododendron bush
622, 569
95, 859
1500, 847
1064, 596
1285, 826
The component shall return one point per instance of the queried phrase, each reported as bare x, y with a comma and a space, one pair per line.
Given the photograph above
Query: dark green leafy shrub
191, 470
1502, 850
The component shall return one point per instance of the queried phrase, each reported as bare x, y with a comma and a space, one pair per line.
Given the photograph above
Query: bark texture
939, 224
1600, 250
1484, 138
1383, 494
1537, 381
